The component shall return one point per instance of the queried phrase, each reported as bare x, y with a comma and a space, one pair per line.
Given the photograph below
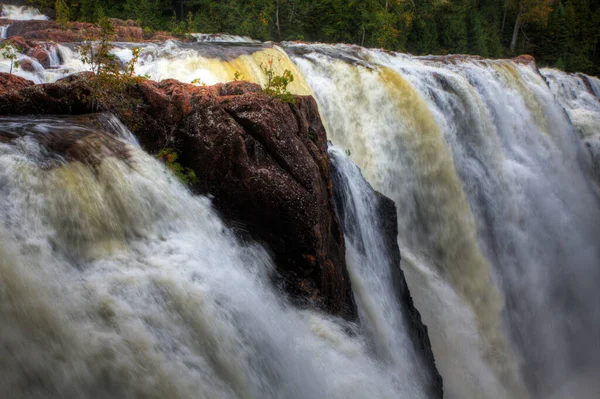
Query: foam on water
21, 13
116, 282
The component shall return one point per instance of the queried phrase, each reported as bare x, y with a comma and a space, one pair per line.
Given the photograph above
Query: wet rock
41, 54
10, 86
19, 43
73, 138
126, 31
388, 214
26, 65
264, 162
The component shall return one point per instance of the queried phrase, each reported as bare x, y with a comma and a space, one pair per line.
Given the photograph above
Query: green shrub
10, 52
63, 13
276, 85
238, 76
111, 80
186, 175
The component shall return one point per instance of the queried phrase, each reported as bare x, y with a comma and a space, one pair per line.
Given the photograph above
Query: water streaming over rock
21, 13
499, 215
116, 282
385, 307
580, 96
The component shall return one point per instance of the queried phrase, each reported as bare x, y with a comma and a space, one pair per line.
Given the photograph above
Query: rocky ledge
126, 31
264, 161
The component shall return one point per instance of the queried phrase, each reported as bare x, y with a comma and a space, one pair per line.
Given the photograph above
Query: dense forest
559, 33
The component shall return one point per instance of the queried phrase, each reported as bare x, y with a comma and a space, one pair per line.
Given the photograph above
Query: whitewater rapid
495, 170
21, 13
116, 282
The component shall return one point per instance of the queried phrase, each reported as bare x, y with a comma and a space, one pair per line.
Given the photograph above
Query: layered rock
126, 31
72, 141
264, 161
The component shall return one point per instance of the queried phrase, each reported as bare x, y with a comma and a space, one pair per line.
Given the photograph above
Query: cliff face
264, 161
126, 31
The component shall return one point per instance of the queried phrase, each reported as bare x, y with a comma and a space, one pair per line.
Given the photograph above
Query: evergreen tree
560, 33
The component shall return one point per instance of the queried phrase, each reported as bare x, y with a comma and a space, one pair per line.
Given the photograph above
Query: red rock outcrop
126, 31
10, 84
264, 161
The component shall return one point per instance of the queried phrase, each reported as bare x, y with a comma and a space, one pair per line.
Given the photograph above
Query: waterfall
222, 38
376, 278
491, 165
21, 13
498, 219
116, 282
580, 96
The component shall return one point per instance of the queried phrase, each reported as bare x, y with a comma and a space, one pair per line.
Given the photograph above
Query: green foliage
276, 85
238, 76
111, 80
198, 82
63, 13
550, 30
170, 157
10, 53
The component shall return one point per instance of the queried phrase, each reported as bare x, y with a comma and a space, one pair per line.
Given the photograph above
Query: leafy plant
276, 85
183, 28
111, 79
198, 82
312, 136
186, 175
63, 13
238, 76
10, 52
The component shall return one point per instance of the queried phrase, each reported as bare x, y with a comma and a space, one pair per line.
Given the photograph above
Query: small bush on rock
276, 85
10, 53
169, 156
112, 79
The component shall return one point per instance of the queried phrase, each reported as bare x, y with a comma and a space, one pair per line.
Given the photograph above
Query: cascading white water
222, 38
116, 282
21, 13
498, 216
580, 96
370, 267
4, 31
498, 219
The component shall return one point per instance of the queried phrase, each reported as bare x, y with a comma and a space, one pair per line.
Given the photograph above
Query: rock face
9, 84
418, 331
264, 161
126, 31
89, 145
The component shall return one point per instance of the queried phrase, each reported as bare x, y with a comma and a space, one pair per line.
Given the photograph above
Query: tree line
559, 33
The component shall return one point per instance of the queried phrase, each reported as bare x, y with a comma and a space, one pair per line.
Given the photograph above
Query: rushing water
580, 96
21, 13
371, 267
498, 216
491, 165
116, 282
